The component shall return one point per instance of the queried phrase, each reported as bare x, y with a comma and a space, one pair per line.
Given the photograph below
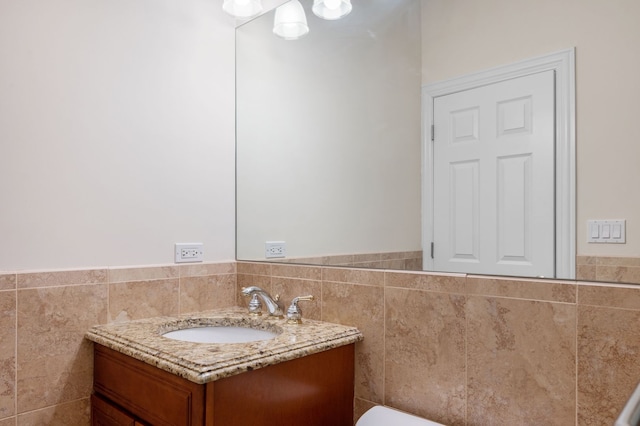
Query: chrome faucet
294, 313
273, 304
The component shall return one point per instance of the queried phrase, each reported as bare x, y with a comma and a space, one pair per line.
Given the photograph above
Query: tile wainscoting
472, 350
401, 260
608, 269
46, 365
461, 350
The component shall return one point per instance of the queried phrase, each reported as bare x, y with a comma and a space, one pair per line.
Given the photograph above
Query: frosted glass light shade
242, 8
331, 9
290, 22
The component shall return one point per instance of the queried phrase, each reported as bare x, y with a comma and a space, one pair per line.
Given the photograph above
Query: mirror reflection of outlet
273, 249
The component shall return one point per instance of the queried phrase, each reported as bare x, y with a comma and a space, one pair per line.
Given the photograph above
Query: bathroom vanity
303, 376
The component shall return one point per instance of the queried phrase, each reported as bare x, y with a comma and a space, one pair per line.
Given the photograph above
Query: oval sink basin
220, 334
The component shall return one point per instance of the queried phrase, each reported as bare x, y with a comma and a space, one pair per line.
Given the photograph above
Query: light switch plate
607, 231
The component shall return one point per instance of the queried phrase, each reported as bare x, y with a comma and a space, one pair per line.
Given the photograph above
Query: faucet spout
274, 306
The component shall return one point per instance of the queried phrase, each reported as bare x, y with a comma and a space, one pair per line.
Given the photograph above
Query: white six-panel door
494, 178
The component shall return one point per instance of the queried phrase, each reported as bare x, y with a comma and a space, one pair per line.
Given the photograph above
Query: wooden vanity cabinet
105, 414
315, 390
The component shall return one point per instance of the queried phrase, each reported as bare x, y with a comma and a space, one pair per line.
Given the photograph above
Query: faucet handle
255, 307
294, 313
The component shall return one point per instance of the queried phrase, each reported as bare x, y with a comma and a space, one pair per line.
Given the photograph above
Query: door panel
494, 178
464, 211
514, 199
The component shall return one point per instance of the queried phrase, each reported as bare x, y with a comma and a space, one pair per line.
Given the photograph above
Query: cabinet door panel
105, 414
316, 390
155, 396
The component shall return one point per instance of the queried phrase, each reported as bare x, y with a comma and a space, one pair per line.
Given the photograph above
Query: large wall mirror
330, 130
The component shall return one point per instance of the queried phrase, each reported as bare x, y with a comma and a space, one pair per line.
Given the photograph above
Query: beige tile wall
608, 269
461, 350
471, 350
46, 366
401, 260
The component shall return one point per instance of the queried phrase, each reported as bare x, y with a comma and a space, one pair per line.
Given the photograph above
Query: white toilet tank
383, 416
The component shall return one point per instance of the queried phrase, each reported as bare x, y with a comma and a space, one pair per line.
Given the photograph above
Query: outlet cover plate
274, 249
188, 252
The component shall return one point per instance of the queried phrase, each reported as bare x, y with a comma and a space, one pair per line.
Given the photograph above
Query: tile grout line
49, 407
384, 337
322, 298
576, 352
15, 354
466, 350
179, 292
108, 283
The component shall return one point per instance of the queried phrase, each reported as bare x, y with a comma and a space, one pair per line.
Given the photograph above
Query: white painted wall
461, 36
323, 124
108, 108
116, 132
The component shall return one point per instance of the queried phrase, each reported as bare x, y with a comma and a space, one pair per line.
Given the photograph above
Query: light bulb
332, 4
331, 9
242, 8
290, 21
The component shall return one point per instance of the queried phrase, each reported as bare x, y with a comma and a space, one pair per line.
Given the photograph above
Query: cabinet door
315, 390
153, 395
105, 414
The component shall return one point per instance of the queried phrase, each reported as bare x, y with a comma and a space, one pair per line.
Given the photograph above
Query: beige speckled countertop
205, 362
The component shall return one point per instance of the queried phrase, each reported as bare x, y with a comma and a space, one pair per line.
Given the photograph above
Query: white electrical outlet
274, 249
188, 252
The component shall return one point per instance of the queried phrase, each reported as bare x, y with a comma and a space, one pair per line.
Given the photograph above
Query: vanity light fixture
290, 21
331, 9
242, 8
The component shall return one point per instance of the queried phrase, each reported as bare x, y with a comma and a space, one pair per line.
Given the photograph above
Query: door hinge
433, 132
432, 247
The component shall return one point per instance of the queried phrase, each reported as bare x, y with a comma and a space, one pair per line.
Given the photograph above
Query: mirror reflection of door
494, 186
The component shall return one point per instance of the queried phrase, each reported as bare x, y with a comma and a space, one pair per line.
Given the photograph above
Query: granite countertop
205, 362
